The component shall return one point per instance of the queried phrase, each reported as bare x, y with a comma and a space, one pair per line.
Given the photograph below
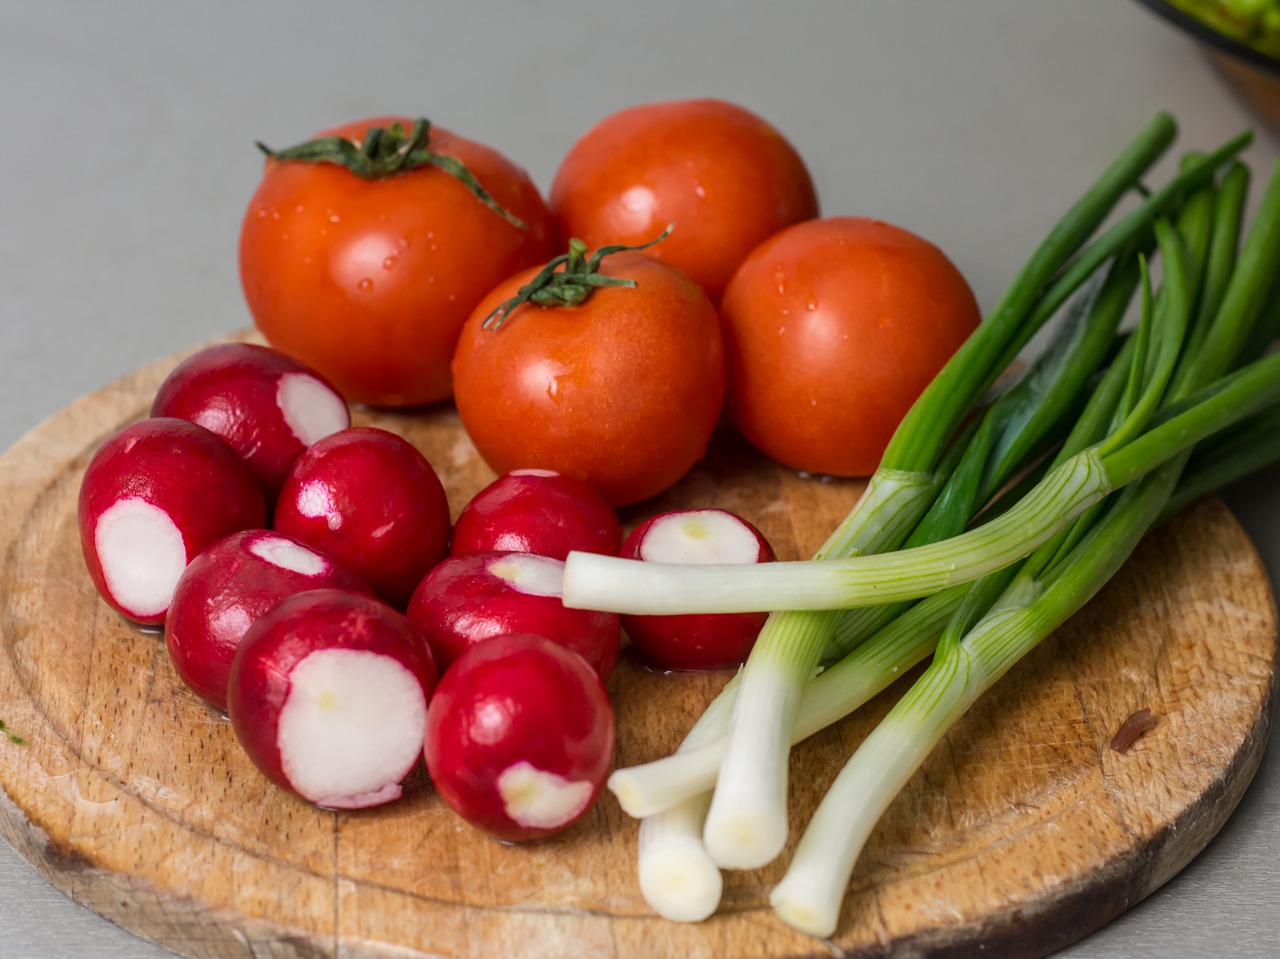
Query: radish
370, 500
226, 589
519, 736
153, 496
267, 406
537, 511
696, 640
471, 598
328, 696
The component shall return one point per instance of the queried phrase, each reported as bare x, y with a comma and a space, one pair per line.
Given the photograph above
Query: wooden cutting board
1023, 831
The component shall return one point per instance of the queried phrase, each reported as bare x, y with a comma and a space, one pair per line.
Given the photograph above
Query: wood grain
1023, 831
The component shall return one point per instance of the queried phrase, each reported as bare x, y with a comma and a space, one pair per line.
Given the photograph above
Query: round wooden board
1022, 832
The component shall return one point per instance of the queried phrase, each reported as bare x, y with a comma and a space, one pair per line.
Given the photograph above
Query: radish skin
153, 496
372, 501
471, 598
519, 737
328, 696
225, 589
537, 511
695, 537
266, 405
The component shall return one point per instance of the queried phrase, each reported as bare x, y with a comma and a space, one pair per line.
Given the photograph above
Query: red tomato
370, 281
621, 391
832, 329
721, 174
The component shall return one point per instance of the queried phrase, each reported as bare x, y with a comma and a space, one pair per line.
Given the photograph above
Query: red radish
519, 736
266, 405
469, 599
328, 696
153, 496
226, 589
537, 511
370, 500
696, 640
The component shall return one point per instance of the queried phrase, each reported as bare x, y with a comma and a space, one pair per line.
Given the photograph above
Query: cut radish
519, 736
368, 498
153, 496
471, 598
226, 589
537, 511
696, 641
267, 406
328, 695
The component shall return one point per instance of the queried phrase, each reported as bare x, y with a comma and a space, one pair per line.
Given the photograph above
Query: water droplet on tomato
811, 305
299, 208
366, 284
699, 190
261, 213
389, 262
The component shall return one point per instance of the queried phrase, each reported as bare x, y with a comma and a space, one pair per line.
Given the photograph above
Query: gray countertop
130, 160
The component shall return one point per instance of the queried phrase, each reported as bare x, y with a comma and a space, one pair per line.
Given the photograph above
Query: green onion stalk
748, 828
677, 875
915, 488
746, 824
1067, 491
1054, 582
833, 694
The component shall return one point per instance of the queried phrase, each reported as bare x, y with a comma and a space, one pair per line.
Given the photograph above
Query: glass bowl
1254, 74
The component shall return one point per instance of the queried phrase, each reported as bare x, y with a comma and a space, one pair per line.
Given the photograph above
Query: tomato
622, 390
369, 281
723, 176
832, 329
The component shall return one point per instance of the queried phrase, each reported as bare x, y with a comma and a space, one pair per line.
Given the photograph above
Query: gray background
128, 162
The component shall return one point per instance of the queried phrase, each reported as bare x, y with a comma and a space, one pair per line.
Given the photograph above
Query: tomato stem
386, 151
568, 279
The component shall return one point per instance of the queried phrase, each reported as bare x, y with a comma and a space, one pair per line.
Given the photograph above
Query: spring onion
1054, 582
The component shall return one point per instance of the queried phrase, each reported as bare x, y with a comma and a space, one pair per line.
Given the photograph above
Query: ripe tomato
721, 174
832, 329
369, 281
622, 390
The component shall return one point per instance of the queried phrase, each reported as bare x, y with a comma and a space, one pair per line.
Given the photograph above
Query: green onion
746, 825
1066, 572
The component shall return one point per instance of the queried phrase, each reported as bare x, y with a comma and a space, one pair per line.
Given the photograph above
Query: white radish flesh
266, 405
519, 737
328, 696
153, 496
695, 537
226, 589
471, 598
